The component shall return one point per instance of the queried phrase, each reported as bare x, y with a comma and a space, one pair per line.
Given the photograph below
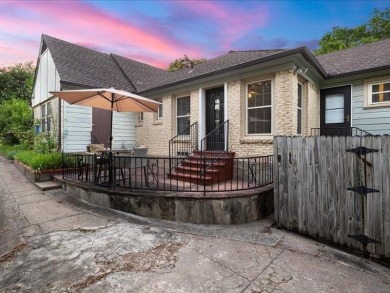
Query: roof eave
363, 71
302, 50
64, 82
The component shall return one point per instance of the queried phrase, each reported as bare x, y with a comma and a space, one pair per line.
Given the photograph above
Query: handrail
339, 131
183, 144
218, 134
215, 155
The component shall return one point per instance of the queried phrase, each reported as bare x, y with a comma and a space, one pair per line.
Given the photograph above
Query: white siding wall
123, 130
47, 79
374, 120
77, 128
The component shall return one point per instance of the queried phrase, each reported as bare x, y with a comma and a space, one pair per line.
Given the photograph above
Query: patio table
107, 163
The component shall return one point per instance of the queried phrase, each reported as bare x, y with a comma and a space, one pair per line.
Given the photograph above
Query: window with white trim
299, 110
46, 114
379, 92
259, 107
183, 108
140, 116
159, 114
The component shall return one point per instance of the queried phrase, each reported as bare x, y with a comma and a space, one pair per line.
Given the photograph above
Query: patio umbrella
108, 99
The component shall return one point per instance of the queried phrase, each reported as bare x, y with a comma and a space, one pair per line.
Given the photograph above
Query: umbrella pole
112, 107
110, 175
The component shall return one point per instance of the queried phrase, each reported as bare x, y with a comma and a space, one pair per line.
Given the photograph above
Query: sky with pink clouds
156, 32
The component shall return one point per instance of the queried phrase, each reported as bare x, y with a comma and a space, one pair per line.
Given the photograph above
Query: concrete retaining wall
221, 209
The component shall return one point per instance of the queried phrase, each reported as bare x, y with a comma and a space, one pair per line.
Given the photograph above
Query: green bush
38, 161
44, 143
16, 121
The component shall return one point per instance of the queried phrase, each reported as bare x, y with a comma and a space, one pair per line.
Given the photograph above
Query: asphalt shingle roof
83, 66
357, 59
145, 77
229, 60
141, 75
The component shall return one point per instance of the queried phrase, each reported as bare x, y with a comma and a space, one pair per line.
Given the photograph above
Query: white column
226, 113
202, 116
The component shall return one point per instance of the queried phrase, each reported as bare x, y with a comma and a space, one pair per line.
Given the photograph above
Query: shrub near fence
311, 180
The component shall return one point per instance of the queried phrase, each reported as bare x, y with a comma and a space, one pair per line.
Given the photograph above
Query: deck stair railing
217, 141
183, 145
339, 131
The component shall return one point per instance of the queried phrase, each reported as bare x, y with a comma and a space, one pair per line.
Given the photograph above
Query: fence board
312, 197
374, 228
386, 194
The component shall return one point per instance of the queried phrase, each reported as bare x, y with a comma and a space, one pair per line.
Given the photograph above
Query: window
159, 114
46, 117
259, 107
299, 124
140, 116
379, 92
183, 114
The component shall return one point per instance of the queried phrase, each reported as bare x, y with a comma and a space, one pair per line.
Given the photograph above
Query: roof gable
86, 67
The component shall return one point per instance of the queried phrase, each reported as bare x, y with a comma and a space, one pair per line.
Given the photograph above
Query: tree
16, 120
378, 27
184, 62
17, 81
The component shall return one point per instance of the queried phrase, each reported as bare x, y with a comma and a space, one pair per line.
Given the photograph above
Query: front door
214, 118
335, 116
101, 123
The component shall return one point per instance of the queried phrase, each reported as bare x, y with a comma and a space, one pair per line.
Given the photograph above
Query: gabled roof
88, 68
364, 58
85, 67
141, 75
213, 66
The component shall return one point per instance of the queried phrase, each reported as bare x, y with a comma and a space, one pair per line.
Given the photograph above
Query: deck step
219, 167
48, 185
192, 178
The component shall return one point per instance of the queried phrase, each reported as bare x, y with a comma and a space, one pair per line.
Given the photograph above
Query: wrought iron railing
217, 144
153, 173
339, 131
183, 144
218, 139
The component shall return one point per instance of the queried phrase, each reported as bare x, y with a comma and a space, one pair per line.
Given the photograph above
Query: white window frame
48, 116
270, 106
140, 116
370, 93
182, 116
160, 111
300, 108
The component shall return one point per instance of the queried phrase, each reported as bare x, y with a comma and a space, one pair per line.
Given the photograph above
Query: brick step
195, 169
214, 154
191, 178
219, 166
201, 163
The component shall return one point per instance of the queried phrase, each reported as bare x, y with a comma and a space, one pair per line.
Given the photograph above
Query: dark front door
101, 123
214, 118
335, 116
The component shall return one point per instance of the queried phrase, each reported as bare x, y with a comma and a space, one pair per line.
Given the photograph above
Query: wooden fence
311, 180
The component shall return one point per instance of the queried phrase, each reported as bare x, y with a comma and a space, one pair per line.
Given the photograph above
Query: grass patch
9, 151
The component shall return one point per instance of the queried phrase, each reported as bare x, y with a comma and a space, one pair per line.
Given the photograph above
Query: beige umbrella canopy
108, 99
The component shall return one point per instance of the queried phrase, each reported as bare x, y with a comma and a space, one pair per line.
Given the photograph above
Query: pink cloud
232, 21
80, 22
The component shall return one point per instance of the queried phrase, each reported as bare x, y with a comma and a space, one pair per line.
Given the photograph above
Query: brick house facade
291, 83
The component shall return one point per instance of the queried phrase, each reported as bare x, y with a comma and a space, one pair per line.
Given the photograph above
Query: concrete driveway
51, 242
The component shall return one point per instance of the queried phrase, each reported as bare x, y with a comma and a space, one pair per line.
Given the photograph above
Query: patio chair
136, 160
93, 159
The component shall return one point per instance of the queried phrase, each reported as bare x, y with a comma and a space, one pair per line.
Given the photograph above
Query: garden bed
34, 175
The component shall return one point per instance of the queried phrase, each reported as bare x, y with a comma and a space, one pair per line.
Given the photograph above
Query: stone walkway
51, 242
